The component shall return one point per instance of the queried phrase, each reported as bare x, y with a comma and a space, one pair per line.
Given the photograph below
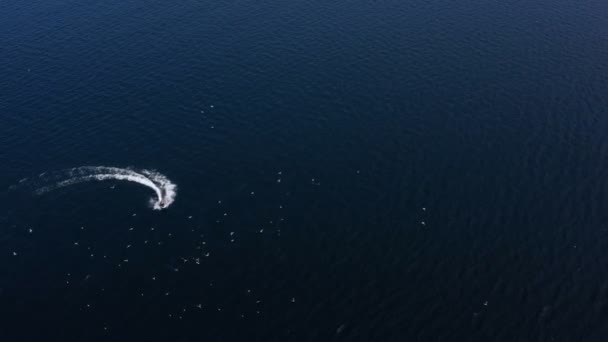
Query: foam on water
164, 189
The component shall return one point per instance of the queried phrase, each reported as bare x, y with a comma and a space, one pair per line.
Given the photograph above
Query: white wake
164, 189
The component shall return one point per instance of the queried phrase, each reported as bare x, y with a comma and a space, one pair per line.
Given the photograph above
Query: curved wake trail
164, 189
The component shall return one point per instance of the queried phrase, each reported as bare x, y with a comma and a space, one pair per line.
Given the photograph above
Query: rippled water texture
347, 170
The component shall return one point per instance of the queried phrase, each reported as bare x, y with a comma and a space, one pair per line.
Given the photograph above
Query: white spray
164, 189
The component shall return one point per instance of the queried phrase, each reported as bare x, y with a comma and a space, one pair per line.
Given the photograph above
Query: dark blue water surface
347, 170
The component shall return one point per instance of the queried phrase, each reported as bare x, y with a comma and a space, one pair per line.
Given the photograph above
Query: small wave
165, 190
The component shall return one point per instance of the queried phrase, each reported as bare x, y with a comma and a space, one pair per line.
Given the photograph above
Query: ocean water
343, 170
